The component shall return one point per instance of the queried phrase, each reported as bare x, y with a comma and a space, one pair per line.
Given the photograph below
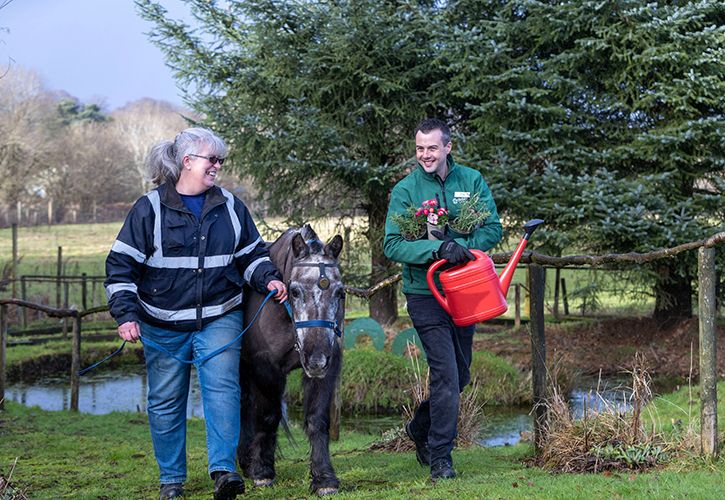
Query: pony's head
316, 296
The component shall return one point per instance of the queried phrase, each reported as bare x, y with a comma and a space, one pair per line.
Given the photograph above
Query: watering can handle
431, 282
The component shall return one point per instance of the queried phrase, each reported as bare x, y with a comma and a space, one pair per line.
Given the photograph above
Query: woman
174, 277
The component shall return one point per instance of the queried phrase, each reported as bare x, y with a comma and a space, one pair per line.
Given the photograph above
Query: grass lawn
69, 455
85, 247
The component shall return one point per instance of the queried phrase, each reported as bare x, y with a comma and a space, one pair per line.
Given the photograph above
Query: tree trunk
673, 296
383, 306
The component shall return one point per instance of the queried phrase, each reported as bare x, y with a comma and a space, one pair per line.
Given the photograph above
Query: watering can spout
508, 272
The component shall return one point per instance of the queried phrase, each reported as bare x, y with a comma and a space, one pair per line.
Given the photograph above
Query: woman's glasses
212, 159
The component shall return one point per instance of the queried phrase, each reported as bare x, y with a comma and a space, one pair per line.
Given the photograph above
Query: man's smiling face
432, 153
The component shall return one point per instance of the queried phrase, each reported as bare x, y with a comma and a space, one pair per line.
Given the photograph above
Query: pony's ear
299, 247
334, 246
308, 233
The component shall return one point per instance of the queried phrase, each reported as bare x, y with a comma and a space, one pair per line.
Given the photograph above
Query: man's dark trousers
448, 349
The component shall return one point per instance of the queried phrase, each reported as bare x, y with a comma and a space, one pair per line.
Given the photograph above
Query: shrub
372, 382
499, 383
380, 382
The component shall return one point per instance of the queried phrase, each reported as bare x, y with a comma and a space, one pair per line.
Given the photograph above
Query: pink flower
433, 218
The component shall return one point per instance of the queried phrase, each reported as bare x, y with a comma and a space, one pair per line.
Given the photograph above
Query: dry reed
7, 490
602, 440
470, 415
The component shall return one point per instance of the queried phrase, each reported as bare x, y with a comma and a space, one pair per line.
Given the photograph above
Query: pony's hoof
263, 483
321, 492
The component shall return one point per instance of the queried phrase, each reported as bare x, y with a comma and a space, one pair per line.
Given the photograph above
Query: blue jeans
168, 381
448, 349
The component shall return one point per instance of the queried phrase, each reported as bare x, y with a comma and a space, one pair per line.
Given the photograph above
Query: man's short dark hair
430, 124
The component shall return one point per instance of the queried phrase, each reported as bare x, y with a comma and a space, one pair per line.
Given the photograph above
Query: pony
276, 344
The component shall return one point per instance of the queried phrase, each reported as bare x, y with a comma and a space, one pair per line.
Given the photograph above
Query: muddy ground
609, 345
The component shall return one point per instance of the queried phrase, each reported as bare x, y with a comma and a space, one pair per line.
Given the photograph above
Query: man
447, 347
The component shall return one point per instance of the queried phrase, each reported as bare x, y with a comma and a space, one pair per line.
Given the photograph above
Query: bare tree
26, 110
97, 168
142, 123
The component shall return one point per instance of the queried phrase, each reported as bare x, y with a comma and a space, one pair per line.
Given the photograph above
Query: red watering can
473, 291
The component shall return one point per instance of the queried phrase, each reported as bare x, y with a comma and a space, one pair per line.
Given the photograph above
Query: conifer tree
607, 119
318, 100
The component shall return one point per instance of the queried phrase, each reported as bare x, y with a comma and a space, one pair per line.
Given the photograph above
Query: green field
50, 455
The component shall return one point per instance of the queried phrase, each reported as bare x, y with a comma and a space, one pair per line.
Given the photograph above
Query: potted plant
411, 224
415, 222
436, 217
470, 216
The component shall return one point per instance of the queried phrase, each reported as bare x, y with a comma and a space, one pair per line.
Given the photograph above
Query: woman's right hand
129, 331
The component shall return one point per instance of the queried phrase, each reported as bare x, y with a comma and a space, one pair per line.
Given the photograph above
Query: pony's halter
323, 283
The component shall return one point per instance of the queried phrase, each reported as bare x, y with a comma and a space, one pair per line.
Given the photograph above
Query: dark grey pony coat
273, 347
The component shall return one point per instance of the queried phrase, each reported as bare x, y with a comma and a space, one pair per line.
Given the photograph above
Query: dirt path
609, 345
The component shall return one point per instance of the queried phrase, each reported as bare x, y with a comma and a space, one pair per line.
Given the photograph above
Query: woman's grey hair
166, 158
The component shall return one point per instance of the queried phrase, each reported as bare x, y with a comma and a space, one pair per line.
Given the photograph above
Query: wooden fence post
75, 364
66, 292
23, 296
517, 305
15, 259
59, 273
708, 351
564, 298
537, 284
3, 345
557, 275
84, 291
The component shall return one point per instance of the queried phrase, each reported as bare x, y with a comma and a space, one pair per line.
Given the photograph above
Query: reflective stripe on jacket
412, 191
173, 270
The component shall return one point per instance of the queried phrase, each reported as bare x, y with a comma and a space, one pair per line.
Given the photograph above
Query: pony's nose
318, 362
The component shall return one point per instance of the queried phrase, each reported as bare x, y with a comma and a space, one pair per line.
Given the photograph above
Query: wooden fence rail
567, 261
536, 286
77, 317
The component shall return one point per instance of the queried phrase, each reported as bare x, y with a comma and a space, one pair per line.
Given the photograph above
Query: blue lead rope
154, 345
315, 323
89, 368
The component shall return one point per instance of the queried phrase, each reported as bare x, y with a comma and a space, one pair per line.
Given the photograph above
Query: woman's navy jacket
172, 270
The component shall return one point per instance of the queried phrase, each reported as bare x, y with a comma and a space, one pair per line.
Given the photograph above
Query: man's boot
422, 453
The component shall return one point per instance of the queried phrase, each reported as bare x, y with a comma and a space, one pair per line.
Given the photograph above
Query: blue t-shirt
194, 203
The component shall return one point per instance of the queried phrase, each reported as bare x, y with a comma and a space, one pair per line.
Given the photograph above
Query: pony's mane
280, 251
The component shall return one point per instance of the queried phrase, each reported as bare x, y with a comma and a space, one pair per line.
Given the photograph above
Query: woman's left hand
281, 294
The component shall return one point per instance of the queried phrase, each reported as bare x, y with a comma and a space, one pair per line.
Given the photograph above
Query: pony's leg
266, 391
318, 398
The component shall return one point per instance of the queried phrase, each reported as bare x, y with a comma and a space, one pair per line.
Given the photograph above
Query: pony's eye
295, 292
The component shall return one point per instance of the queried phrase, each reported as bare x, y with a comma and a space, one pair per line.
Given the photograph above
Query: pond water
99, 394
107, 392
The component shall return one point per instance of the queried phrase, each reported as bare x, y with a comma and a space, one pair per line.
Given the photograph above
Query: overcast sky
96, 50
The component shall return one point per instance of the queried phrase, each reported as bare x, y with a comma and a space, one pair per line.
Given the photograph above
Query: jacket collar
433, 177
171, 198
